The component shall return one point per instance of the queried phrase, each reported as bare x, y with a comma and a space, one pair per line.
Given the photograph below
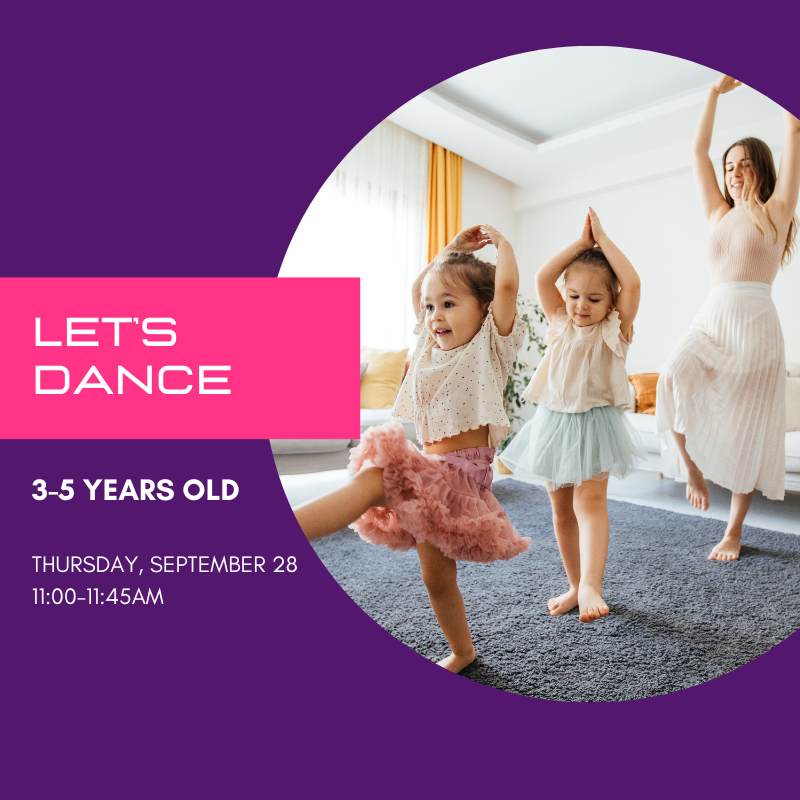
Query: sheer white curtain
368, 221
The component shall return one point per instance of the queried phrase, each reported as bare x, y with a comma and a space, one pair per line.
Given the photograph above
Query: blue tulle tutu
567, 449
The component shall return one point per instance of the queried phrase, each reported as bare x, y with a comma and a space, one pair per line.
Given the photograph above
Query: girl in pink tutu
439, 501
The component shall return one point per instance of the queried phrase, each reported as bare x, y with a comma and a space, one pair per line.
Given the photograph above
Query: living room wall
487, 198
660, 227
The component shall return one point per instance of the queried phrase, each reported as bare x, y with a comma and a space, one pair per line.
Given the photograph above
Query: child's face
588, 299
453, 314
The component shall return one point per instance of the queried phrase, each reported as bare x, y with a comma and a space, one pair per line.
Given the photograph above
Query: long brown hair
760, 188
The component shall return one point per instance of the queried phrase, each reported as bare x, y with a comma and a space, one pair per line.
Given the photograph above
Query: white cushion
375, 416
379, 416
793, 370
793, 451
644, 423
792, 404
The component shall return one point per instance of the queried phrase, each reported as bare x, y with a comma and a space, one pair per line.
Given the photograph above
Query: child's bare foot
696, 490
455, 663
728, 549
592, 605
563, 603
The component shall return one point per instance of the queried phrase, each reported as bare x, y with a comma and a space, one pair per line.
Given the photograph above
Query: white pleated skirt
724, 388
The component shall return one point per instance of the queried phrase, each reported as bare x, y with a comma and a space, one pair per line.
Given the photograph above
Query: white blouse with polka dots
447, 392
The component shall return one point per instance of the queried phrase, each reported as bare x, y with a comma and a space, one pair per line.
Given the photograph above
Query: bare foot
563, 603
592, 605
728, 549
696, 490
455, 663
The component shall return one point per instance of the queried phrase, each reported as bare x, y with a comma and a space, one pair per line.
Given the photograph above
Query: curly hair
594, 260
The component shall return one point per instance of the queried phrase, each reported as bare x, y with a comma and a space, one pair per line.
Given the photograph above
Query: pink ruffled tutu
440, 499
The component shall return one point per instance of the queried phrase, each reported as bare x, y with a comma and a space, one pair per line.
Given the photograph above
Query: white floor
647, 489
642, 488
302, 488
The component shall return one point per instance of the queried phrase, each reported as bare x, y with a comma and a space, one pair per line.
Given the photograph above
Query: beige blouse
583, 368
447, 392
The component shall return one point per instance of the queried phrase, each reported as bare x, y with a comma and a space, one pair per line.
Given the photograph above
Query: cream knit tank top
738, 251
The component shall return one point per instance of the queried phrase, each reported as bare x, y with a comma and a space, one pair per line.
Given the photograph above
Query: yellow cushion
383, 377
644, 384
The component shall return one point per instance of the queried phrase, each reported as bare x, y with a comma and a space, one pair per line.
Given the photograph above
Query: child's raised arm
550, 298
506, 282
630, 291
468, 241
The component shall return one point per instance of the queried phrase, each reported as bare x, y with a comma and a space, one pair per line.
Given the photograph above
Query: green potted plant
520, 374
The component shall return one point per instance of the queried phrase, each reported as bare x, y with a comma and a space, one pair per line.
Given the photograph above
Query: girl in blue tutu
579, 434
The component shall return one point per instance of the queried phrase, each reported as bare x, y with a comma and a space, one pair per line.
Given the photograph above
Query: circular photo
578, 476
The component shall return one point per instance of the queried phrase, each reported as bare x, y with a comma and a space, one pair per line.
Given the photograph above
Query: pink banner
172, 358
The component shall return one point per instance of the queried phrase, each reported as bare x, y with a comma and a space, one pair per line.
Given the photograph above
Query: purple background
188, 143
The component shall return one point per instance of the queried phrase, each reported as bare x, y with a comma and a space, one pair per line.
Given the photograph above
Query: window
369, 221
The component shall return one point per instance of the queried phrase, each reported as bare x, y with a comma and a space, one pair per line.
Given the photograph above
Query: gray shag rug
676, 618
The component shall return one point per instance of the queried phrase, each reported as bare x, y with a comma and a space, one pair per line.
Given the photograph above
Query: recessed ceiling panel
549, 93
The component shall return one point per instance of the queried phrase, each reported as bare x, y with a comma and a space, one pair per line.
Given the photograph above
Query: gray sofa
301, 456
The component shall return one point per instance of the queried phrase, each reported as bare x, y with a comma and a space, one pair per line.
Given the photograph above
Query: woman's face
737, 169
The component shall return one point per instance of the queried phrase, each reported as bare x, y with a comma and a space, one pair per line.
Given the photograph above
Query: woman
722, 395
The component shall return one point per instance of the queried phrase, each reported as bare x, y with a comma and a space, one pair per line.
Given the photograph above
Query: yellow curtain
444, 198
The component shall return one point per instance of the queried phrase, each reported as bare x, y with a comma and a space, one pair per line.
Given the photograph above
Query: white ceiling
536, 115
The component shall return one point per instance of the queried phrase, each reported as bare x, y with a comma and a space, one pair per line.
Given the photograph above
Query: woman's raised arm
784, 198
714, 204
